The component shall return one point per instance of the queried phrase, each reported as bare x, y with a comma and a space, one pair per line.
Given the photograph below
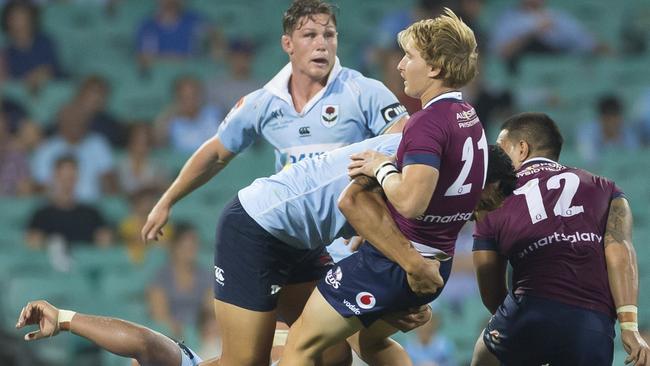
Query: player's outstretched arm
491, 277
114, 335
204, 164
366, 211
623, 279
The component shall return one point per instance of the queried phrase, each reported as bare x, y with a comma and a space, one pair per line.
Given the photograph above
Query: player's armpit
619, 223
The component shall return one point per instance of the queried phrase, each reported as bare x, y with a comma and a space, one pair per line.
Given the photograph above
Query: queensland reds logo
366, 300
329, 115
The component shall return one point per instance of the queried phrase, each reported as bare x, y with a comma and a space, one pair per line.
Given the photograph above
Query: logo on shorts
329, 115
366, 300
275, 289
218, 275
333, 277
352, 307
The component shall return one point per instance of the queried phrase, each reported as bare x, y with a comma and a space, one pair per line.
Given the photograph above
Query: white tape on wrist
633, 326
627, 309
384, 171
65, 319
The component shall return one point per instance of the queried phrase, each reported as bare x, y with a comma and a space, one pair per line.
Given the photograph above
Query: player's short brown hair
538, 130
445, 42
305, 8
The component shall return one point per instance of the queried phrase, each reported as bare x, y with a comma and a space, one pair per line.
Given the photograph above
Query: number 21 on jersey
459, 187
533, 194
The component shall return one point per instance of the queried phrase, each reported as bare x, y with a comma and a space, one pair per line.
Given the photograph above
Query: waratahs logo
329, 115
366, 300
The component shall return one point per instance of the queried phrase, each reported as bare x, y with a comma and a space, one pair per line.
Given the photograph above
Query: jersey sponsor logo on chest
294, 154
329, 115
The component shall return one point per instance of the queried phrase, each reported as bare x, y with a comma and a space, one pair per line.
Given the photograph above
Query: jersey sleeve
424, 142
617, 192
484, 236
240, 128
379, 105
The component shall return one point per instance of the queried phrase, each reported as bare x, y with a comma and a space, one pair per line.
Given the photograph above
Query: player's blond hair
445, 42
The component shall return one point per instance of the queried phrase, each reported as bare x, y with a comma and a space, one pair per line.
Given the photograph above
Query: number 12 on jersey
533, 195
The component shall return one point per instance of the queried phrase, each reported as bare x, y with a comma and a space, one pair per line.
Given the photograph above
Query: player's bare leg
375, 347
290, 305
318, 328
247, 335
482, 356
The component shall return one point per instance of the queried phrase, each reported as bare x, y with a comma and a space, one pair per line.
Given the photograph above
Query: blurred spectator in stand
225, 91
15, 178
532, 28
641, 116
26, 133
493, 103
181, 290
92, 98
172, 33
30, 55
384, 39
470, 12
65, 217
92, 152
190, 120
137, 169
429, 347
142, 201
608, 132
210, 335
635, 29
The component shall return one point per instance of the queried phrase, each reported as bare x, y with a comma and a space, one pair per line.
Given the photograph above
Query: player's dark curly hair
500, 170
538, 130
308, 8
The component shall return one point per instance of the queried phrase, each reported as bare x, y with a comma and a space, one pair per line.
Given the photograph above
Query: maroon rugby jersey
447, 135
551, 230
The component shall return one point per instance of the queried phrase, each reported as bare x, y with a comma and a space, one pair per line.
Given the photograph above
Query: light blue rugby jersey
349, 109
299, 204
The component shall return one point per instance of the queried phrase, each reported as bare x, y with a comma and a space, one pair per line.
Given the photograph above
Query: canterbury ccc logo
366, 300
390, 112
303, 131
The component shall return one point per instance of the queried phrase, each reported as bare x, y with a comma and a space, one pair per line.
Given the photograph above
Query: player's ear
287, 44
434, 72
524, 150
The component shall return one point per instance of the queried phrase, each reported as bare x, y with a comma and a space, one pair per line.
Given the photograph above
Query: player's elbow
411, 209
619, 256
346, 202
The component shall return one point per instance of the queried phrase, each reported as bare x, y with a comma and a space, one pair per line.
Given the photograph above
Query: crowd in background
81, 151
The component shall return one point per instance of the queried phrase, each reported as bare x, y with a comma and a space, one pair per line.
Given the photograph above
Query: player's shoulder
358, 82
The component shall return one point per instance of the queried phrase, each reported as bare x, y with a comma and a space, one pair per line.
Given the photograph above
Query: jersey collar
452, 95
536, 160
279, 85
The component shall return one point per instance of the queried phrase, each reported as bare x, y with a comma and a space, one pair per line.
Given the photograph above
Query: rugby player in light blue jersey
313, 105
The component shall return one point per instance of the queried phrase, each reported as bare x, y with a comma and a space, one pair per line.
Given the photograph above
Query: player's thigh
292, 300
247, 335
482, 356
320, 326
